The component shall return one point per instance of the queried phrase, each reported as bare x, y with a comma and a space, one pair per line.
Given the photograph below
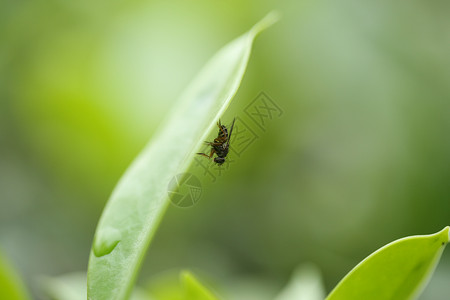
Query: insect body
221, 144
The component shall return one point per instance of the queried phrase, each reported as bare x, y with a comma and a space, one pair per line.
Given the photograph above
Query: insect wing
231, 131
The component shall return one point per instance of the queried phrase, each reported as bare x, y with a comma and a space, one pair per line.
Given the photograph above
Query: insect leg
203, 154
210, 154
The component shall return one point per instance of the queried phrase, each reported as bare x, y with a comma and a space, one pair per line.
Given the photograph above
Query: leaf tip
447, 230
270, 19
185, 274
443, 236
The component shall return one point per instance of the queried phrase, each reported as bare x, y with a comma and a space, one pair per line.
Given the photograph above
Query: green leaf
305, 284
193, 289
140, 199
399, 270
72, 286
11, 286
65, 287
171, 285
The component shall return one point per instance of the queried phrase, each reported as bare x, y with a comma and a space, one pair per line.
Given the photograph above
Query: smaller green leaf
305, 284
11, 286
193, 289
399, 270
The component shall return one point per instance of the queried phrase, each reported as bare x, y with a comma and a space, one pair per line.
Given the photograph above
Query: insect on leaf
399, 270
140, 199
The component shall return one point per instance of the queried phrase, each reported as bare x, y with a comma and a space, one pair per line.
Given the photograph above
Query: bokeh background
360, 156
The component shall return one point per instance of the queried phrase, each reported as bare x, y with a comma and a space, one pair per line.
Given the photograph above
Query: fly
221, 144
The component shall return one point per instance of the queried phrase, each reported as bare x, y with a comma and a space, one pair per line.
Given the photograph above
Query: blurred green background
360, 157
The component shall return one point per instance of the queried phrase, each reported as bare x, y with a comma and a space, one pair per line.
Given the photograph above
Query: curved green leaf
139, 200
11, 286
193, 289
396, 271
305, 284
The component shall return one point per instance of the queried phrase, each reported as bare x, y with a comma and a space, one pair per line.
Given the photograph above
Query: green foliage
11, 287
398, 270
72, 286
140, 199
305, 284
173, 285
66, 287
358, 144
193, 289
